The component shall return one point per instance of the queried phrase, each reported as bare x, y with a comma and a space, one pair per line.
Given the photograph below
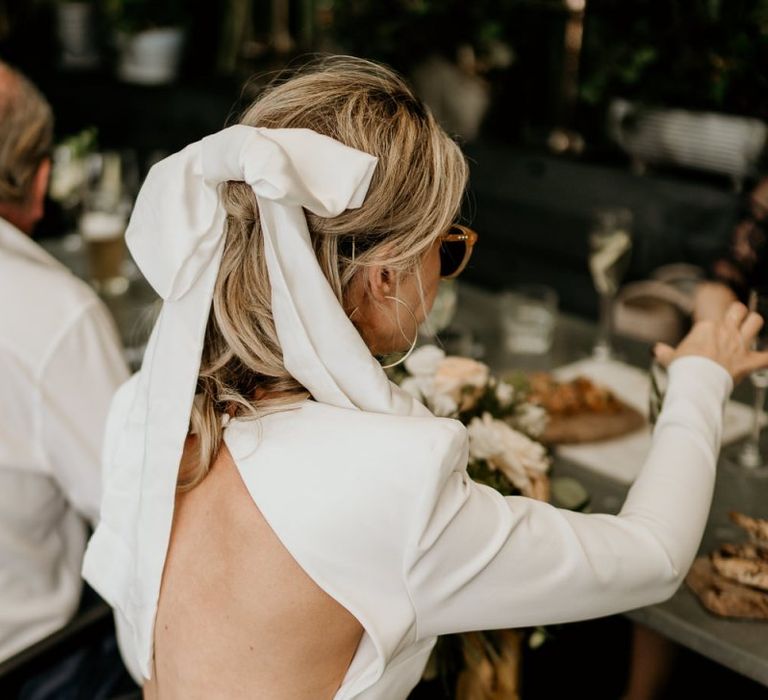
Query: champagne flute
610, 243
749, 456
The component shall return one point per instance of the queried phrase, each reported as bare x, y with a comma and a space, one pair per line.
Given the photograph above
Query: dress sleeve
483, 561
77, 385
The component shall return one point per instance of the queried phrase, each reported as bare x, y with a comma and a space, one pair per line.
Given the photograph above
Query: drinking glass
659, 379
103, 221
610, 246
528, 315
749, 455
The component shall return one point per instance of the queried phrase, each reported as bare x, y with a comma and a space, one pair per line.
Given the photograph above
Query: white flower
424, 361
483, 437
531, 419
421, 388
507, 450
505, 393
413, 386
444, 405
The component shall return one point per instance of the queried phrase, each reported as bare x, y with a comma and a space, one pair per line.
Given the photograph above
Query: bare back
237, 616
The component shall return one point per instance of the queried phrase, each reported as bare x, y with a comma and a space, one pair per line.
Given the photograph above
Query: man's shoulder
43, 303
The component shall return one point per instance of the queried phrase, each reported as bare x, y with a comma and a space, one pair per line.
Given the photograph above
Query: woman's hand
728, 342
711, 301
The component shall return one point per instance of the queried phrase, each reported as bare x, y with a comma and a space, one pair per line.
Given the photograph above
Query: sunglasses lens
452, 255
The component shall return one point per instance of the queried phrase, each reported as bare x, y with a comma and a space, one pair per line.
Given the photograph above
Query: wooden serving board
592, 427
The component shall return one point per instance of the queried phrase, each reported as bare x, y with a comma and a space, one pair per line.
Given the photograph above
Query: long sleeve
483, 561
76, 387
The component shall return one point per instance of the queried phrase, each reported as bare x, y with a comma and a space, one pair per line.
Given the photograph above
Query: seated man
60, 362
745, 264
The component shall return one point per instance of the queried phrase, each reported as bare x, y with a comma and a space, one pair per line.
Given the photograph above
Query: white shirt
378, 509
60, 363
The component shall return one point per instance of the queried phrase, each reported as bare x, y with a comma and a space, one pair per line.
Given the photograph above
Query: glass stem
606, 324
757, 414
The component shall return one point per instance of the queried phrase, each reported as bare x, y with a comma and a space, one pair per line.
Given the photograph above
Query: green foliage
136, 15
699, 54
403, 32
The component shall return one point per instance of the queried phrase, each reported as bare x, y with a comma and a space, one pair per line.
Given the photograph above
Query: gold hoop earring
415, 338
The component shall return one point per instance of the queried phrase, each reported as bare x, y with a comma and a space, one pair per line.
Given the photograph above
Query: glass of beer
103, 222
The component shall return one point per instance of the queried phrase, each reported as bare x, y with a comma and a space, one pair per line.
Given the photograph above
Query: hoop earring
415, 338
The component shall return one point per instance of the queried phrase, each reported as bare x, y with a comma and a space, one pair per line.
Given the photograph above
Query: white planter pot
150, 57
459, 101
74, 30
708, 141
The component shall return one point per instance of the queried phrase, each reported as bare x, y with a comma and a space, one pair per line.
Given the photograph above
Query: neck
18, 217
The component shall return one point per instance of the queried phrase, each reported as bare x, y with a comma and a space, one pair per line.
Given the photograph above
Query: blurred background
562, 106
611, 145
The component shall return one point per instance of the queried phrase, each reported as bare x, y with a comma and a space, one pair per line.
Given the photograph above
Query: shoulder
348, 479
361, 440
48, 302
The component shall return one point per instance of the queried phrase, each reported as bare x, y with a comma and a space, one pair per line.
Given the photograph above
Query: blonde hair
414, 196
26, 134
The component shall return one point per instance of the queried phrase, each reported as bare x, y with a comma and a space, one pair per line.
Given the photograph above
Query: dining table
736, 644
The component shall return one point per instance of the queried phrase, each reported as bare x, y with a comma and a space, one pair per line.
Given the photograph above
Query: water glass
750, 456
528, 314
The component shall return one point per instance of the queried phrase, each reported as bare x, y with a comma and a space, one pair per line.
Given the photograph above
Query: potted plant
149, 35
446, 47
699, 57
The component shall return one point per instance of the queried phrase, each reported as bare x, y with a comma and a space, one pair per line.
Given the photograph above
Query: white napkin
621, 458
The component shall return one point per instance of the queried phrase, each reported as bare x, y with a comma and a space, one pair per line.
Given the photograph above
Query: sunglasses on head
456, 246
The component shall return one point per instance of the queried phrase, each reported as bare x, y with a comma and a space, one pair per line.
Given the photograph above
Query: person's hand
728, 342
711, 301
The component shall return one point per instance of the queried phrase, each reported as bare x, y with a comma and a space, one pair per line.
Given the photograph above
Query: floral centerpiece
501, 421
503, 426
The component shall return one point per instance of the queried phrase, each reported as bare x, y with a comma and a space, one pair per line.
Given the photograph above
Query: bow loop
177, 225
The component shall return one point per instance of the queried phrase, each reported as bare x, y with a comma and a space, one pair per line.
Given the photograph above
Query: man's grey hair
26, 134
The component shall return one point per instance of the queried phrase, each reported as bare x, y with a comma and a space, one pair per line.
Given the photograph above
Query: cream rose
455, 374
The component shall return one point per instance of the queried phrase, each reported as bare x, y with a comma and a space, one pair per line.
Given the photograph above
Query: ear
39, 188
380, 281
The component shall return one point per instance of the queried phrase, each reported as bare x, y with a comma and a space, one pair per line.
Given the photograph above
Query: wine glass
610, 244
749, 455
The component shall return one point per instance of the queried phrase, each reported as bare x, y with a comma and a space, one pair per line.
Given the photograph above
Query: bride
280, 521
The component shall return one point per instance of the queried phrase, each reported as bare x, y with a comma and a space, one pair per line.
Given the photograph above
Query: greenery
695, 54
698, 54
404, 32
131, 16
